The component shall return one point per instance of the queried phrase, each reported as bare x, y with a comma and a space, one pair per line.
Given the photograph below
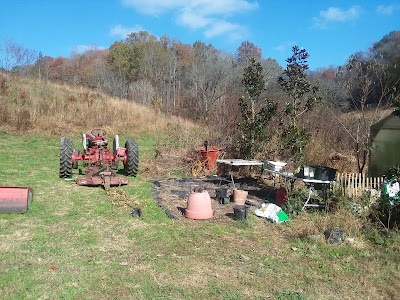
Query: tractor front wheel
66, 157
132, 158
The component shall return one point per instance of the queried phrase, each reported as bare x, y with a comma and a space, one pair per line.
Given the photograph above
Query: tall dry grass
306, 225
48, 108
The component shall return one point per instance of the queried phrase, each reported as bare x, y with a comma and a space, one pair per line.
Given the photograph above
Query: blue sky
330, 30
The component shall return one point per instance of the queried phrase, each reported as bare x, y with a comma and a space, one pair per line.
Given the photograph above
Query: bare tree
110, 81
369, 86
208, 80
15, 57
142, 91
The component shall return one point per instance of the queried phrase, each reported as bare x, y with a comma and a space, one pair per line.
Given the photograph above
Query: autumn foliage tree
247, 51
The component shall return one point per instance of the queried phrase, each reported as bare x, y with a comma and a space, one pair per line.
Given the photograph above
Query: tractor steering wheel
98, 132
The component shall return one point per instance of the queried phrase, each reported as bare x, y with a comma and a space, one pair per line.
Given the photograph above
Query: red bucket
209, 156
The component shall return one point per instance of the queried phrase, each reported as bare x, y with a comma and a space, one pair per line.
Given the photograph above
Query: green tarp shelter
385, 145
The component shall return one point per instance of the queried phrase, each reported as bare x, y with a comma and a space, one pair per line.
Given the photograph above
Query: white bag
269, 211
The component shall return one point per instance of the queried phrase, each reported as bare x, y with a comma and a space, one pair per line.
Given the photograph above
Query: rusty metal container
15, 199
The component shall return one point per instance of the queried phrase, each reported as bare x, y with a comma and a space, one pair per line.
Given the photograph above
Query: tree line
205, 84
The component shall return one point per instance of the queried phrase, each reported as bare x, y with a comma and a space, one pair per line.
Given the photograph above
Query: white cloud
285, 46
335, 14
220, 28
193, 20
122, 31
387, 9
209, 15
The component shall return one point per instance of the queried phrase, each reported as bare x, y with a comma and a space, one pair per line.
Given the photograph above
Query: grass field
74, 243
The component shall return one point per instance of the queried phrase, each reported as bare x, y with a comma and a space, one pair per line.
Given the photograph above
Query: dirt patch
121, 198
172, 194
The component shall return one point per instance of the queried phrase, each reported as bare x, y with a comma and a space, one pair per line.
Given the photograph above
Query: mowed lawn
76, 243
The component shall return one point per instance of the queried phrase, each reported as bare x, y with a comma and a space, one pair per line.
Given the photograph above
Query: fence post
363, 181
348, 178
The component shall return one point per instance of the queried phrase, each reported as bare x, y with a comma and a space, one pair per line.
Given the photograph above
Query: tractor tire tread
66, 157
132, 160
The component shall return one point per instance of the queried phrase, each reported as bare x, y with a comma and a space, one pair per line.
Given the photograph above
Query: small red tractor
100, 162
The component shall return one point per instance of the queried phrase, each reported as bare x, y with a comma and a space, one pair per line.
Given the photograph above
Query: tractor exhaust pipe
15, 199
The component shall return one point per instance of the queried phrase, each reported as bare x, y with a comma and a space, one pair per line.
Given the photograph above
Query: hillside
34, 106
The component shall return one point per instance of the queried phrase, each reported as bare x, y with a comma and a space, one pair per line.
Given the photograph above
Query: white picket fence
354, 184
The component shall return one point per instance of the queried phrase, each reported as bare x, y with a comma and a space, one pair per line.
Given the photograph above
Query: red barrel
281, 196
15, 199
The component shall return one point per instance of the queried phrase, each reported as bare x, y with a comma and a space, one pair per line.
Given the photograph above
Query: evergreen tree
303, 96
256, 111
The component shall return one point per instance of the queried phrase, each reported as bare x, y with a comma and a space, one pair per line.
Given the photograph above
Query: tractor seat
96, 140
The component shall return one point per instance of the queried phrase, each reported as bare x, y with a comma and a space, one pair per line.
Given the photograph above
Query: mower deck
104, 176
104, 180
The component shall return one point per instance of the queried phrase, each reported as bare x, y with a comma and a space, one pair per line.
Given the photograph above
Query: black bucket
222, 196
324, 173
136, 212
240, 212
222, 193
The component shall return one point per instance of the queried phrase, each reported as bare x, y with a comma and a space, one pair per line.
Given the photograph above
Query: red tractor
101, 163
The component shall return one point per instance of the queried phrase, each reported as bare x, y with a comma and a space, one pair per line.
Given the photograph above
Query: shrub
23, 119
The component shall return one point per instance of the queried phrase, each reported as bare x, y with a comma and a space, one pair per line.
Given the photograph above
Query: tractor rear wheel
66, 157
132, 158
